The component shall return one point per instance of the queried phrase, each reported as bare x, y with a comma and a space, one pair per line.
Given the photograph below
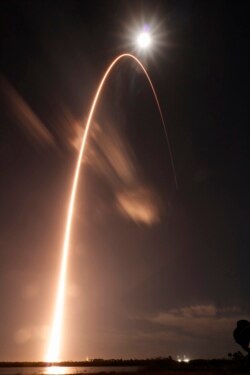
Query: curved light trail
52, 354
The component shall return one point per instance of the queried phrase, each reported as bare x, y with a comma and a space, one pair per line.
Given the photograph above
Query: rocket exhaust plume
53, 349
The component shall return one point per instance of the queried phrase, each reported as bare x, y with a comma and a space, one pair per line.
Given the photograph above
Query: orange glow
55, 370
53, 350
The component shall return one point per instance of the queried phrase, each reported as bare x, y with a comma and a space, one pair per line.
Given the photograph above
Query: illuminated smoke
52, 354
26, 118
113, 158
139, 204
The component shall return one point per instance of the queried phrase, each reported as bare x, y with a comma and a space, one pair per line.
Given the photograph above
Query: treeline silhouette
96, 362
235, 362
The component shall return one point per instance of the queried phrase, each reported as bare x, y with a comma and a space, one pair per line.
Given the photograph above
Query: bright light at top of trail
144, 39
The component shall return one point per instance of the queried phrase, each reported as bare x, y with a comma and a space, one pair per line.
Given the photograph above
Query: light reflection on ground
55, 370
67, 370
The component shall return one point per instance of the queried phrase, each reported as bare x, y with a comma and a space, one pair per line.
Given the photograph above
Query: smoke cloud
23, 114
109, 153
139, 204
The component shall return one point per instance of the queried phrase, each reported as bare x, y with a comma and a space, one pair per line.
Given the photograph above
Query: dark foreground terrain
164, 366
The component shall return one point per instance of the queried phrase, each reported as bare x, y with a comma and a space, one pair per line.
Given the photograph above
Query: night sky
153, 271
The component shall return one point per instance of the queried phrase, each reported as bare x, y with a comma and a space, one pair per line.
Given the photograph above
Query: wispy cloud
198, 320
25, 117
140, 204
110, 154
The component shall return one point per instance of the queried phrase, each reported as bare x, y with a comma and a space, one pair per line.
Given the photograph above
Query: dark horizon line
98, 362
